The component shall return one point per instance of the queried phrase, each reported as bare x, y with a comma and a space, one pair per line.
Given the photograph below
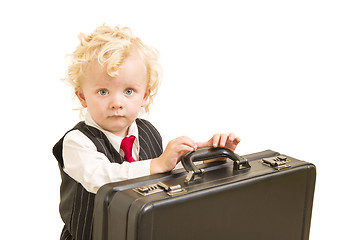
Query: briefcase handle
207, 153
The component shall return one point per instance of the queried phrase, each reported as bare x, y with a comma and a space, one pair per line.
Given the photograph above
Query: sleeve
91, 168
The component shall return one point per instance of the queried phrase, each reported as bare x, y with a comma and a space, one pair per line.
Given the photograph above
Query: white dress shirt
91, 168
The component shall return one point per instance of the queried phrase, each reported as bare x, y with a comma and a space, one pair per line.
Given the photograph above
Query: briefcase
262, 196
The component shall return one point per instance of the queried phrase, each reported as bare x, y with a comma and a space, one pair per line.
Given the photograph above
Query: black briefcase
262, 196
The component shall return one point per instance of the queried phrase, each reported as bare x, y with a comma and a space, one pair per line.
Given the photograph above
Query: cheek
135, 106
96, 105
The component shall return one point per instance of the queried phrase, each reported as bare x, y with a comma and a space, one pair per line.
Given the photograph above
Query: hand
221, 140
172, 154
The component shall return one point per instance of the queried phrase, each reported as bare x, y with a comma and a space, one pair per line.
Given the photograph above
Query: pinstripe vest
77, 204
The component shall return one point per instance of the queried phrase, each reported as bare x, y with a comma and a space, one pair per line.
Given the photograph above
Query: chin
117, 129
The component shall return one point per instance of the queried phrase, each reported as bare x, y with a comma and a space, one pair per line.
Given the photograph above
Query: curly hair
110, 46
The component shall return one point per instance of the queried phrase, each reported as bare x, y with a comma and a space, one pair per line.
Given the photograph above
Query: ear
80, 95
146, 97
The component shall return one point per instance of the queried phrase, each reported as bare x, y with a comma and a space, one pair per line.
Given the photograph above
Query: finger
202, 144
186, 148
215, 140
186, 141
232, 145
223, 140
232, 137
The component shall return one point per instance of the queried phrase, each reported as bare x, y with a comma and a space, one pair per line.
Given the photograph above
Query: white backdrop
281, 74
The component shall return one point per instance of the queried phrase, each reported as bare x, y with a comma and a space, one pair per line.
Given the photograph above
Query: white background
282, 75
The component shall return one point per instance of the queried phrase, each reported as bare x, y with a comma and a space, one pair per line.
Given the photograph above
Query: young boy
115, 76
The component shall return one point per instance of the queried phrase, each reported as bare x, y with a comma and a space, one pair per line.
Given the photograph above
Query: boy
115, 76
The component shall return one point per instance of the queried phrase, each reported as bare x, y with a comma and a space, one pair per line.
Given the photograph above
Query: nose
116, 103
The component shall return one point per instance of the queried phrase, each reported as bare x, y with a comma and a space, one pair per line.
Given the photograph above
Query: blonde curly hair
110, 46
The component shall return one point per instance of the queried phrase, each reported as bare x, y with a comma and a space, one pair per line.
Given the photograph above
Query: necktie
126, 146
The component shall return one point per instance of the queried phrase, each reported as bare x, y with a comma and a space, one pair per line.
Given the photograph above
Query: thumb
203, 144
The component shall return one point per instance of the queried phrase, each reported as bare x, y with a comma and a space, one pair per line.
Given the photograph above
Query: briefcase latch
278, 162
192, 175
172, 190
148, 189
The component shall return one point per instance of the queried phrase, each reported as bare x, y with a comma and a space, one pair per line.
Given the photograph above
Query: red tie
126, 146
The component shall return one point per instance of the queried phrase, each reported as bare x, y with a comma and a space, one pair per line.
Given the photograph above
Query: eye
129, 91
103, 92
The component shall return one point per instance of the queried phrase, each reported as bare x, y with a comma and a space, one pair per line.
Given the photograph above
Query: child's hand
221, 140
172, 154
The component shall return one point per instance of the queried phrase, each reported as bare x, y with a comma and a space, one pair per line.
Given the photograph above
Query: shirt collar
114, 139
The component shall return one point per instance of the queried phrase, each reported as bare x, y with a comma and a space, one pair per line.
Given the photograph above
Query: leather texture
254, 203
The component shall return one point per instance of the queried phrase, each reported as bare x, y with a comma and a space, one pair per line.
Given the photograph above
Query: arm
91, 168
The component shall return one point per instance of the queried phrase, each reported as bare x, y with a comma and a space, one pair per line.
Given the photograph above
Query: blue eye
129, 91
103, 92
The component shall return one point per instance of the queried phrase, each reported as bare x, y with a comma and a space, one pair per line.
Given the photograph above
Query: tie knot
126, 146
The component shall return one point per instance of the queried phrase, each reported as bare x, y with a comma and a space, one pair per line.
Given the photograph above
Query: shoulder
79, 135
146, 126
150, 140
141, 121
73, 140
76, 138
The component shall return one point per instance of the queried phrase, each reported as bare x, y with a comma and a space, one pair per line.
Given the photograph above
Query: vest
76, 203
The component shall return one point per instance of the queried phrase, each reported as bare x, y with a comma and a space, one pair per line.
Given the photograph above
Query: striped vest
76, 203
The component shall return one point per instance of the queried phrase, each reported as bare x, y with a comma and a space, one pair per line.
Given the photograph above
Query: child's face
114, 102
